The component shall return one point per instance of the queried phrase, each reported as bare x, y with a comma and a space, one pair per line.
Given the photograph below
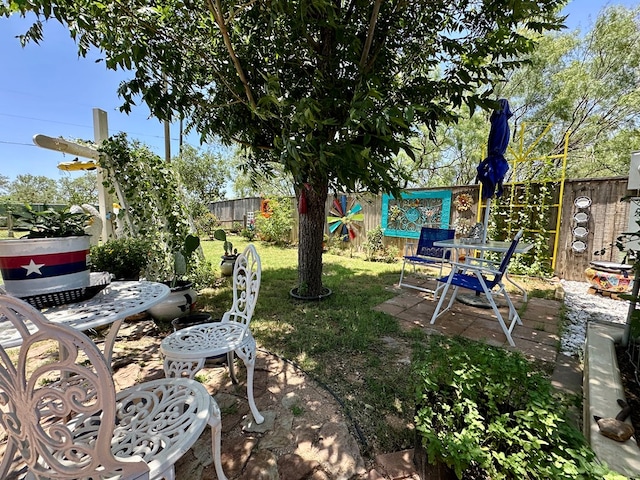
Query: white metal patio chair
427, 255
185, 351
482, 279
62, 415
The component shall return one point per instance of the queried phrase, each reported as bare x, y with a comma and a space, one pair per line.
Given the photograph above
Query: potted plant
230, 255
52, 257
182, 297
124, 258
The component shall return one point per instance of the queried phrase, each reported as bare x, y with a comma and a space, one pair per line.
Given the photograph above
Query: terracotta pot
34, 266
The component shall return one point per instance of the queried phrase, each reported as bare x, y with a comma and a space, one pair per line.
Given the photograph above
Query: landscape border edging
602, 388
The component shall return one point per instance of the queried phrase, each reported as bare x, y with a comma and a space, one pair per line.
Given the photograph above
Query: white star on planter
33, 267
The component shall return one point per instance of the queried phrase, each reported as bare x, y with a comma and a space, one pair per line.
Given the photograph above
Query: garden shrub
276, 227
374, 247
488, 410
202, 275
206, 224
125, 258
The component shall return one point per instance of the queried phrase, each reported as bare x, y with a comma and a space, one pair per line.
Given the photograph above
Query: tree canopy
586, 85
203, 173
330, 89
29, 188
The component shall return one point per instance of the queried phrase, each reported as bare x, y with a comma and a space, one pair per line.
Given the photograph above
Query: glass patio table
111, 305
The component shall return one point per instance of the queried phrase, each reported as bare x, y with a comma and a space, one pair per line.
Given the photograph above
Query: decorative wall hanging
405, 217
578, 246
582, 202
580, 232
265, 211
463, 202
343, 221
581, 217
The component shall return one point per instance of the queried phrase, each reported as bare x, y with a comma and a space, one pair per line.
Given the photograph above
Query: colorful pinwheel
343, 220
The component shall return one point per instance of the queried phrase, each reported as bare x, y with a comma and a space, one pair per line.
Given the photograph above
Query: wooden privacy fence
607, 217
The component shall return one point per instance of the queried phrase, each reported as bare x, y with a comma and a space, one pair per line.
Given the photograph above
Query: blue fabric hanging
492, 170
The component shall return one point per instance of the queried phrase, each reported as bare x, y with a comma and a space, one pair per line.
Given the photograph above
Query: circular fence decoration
578, 246
581, 217
345, 221
580, 232
582, 202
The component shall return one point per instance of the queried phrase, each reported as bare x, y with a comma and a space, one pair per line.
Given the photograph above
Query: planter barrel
34, 266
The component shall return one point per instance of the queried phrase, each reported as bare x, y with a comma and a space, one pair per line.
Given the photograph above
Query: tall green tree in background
79, 190
31, 189
451, 155
585, 83
271, 181
588, 85
329, 89
204, 175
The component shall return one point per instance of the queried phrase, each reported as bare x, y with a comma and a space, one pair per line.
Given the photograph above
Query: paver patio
538, 337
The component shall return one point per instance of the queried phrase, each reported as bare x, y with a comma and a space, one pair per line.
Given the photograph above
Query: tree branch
216, 10
372, 27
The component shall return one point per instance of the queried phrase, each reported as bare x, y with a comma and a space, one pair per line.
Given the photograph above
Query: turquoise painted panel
405, 217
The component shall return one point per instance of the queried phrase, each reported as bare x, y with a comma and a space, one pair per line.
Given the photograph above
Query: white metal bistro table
109, 306
488, 246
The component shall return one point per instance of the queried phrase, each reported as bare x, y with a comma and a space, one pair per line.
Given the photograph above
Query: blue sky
46, 89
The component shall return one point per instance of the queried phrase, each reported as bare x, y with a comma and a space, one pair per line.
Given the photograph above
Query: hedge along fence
608, 217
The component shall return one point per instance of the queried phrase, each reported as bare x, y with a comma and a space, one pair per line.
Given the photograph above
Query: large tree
31, 189
328, 88
587, 85
203, 173
80, 189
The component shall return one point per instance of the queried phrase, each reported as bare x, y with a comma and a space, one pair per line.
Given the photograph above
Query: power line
42, 120
18, 143
78, 125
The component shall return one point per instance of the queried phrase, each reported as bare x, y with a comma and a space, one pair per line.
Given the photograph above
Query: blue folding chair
482, 279
427, 255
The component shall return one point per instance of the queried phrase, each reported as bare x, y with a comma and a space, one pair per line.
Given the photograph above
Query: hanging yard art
344, 221
405, 217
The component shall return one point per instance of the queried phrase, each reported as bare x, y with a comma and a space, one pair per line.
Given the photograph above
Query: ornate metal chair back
247, 274
57, 401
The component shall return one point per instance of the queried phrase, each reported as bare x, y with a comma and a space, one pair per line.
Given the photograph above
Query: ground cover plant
488, 413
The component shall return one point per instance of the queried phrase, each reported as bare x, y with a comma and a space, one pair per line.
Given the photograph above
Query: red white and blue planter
44, 265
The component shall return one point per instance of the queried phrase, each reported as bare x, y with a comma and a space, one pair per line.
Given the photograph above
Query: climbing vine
529, 206
153, 199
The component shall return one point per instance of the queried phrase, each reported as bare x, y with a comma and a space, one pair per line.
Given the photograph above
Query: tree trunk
312, 198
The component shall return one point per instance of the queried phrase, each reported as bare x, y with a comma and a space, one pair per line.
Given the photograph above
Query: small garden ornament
230, 255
